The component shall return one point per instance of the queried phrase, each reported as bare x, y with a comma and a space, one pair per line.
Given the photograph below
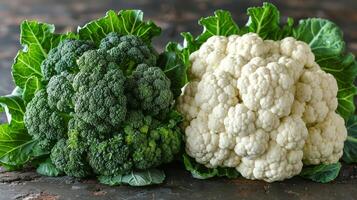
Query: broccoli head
88, 132
151, 142
105, 109
149, 90
110, 157
70, 156
127, 51
63, 57
60, 92
99, 98
43, 123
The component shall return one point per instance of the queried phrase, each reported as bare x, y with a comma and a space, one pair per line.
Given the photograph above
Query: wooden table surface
174, 16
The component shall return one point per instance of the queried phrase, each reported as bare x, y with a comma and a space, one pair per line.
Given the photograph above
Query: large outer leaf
126, 22
47, 168
323, 36
15, 146
37, 39
32, 85
172, 63
199, 171
219, 24
321, 173
135, 178
265, 20
326, 42
15, 108
350, 148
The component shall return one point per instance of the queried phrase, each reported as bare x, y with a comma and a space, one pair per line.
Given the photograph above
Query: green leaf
189, 43
37, 39
47, 168
126, 22
15, 146
172, 63
265, 21
199, 171
323, 36
135, 178
221, 23
344, 69
14, 108
326, 42
32, 85
321, 173
350, 148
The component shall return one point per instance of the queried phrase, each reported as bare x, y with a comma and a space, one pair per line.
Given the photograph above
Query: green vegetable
350, 148
326, 42
77, 93
136, 178
199, 171
321, 173
47, 168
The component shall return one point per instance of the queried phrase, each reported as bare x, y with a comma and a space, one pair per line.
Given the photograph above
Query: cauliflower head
263, 107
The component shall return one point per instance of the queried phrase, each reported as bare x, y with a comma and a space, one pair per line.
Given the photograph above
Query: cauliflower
263, 107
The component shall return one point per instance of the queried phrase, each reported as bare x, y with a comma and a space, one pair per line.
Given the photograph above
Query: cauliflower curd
263, 107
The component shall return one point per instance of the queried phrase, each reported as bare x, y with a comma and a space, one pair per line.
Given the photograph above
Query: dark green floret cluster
105, 109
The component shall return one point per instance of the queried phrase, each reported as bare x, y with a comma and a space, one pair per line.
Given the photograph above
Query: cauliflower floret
325, 141
263, 107
276, 164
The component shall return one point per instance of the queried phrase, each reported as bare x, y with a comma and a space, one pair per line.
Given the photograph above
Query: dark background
174, 16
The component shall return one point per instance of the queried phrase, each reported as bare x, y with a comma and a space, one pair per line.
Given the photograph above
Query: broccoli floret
149, 90
88, 132
151, 142
99, 98
63, 57
60, 93
110, 157
127, 51
70, 156
44, 123
170, 142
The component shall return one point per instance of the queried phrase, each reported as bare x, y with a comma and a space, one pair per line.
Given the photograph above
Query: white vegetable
263, 107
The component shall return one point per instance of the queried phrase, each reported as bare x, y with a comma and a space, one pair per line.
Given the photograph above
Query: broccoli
43, 123
151, 141
70, 156
99, 99
87, 132
149, 89
104, 110
128, 51
63, 57
110, 157
60, 93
